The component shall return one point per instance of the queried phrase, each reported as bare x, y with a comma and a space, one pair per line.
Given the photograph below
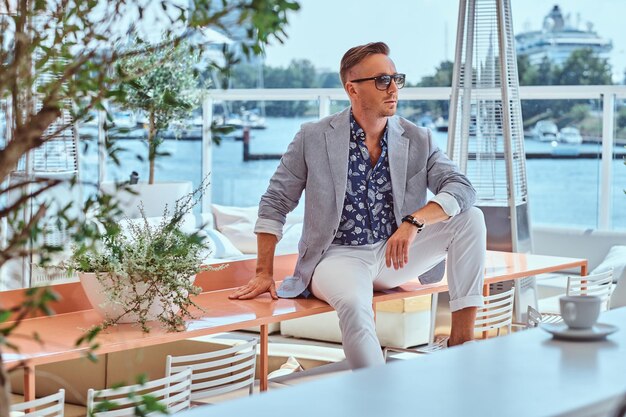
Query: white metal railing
542, 92
324, 96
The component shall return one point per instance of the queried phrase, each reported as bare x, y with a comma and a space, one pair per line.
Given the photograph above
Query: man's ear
349, 87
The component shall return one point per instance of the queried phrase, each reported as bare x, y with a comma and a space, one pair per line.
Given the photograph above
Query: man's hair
357, 54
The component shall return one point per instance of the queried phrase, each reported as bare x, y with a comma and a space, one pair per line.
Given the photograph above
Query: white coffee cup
580, 311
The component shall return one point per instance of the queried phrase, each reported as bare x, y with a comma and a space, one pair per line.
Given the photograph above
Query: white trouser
347, 276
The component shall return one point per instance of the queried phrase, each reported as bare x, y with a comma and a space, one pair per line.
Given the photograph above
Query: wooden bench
220, 314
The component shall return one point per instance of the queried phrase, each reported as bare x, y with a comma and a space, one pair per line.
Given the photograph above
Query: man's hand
398, 245
258, 285
263, 281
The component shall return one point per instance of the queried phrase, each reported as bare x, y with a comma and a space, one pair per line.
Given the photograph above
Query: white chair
220, 372
496, 314
534, 318
172, 392
618, 297
600, 285
50, 406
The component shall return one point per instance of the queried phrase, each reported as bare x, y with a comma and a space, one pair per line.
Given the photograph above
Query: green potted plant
144, 271
165, 86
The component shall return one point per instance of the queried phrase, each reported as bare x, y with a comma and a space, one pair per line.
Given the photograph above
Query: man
367, 223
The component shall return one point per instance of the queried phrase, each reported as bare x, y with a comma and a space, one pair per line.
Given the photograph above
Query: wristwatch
417, 223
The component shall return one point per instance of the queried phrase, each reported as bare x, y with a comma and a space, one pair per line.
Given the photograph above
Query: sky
422, 33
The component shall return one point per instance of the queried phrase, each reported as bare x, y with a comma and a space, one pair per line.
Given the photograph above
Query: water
561, 191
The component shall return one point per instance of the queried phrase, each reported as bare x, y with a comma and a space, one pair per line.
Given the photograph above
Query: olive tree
165, 88
60, 56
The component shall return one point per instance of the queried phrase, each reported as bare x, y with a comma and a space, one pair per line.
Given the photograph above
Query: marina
145, 233
563, 179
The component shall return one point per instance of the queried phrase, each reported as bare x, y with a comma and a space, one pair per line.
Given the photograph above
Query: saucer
560, 331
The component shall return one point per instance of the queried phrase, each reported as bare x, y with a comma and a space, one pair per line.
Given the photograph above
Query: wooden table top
60, 332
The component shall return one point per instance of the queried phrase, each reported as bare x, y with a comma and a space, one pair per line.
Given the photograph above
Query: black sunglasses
382, 82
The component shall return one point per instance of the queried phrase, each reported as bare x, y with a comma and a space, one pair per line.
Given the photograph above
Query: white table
525, 374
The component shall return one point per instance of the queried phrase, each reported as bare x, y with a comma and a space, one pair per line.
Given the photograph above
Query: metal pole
102, 151
506, 124
246, 143
605, 199
207, 151
456, 76
467, 87
324, 106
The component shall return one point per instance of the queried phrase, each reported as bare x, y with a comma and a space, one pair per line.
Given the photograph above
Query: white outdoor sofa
603, 250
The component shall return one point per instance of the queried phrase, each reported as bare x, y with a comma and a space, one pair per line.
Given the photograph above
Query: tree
245, 75
166, 89
59, 56
441, 78
523, 67
300, 73
532, 74
545, 73
329, 80
584, 67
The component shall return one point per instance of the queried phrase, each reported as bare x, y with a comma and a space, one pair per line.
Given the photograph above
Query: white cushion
220, 246
205, 220
242, 236
188, 224
237, 224
616, 259
227, 215
289, 243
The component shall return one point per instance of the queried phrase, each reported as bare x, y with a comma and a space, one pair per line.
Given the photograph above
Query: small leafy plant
147, 263
165, 84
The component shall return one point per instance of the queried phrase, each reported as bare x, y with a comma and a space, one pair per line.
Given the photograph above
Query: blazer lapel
398, 161
337, 146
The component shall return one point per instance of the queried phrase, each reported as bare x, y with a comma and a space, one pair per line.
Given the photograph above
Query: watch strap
410, 219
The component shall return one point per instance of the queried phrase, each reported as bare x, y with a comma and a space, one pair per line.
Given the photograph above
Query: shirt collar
357, 132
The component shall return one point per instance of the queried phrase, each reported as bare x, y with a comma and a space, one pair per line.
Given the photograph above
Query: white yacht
558, 38
570, 135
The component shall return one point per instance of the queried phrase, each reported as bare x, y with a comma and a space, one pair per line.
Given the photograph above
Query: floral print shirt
367, 215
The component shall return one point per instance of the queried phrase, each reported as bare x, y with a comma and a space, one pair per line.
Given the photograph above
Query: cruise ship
559, 38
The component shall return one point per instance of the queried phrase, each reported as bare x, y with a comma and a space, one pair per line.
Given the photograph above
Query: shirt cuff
269, 226
448, 203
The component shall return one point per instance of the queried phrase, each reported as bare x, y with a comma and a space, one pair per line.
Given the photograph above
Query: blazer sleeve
444, 176
284, 190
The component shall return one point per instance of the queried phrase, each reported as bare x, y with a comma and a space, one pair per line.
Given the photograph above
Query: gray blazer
317, 160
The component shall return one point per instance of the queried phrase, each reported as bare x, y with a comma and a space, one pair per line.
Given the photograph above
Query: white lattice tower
486, 135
